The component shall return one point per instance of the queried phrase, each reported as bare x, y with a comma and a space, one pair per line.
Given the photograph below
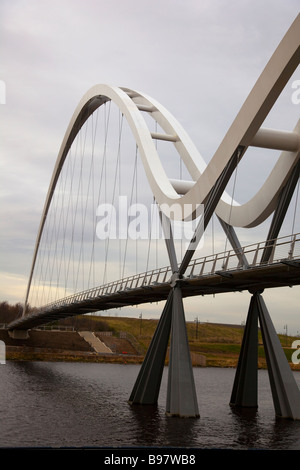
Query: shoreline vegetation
211, 344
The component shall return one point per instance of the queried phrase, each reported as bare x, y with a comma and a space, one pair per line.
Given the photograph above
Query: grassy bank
218, 344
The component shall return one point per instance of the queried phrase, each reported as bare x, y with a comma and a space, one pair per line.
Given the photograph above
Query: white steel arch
245, 131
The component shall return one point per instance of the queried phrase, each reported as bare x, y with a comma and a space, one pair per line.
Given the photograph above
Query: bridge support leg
285, 392
244, 392
147, 385
181, 393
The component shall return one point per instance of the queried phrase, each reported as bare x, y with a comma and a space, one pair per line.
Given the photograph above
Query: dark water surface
85, 405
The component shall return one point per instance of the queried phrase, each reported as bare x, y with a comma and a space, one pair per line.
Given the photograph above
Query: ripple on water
84, 405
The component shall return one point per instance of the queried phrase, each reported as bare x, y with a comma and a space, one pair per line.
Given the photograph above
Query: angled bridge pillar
285, 391
181, 392
244, 392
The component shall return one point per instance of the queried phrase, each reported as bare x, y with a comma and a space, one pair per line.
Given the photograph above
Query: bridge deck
278, 274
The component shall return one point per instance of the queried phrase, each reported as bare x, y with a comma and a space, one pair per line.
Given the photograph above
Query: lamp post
196, 321
286, 333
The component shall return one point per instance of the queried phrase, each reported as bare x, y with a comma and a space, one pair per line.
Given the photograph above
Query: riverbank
211, 345
20, 354
14, 354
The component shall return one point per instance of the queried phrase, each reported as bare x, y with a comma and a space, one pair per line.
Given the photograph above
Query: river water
48, 404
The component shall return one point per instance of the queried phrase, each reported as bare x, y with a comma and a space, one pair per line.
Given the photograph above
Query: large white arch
242, 133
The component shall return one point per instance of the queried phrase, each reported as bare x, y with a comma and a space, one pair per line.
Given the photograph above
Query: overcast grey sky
200, 59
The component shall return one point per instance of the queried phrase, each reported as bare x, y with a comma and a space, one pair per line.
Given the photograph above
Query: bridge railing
281, 248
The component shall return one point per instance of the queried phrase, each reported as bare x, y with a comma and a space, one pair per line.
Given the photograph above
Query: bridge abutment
18, 334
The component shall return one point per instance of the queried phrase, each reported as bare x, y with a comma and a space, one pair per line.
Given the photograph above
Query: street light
196, 321
286, 330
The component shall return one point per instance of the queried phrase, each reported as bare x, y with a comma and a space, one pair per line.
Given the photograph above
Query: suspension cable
232, 198
73, 217
150, 237
295, 208
103, 166
92, 261
83, 213
131, 199
117, 169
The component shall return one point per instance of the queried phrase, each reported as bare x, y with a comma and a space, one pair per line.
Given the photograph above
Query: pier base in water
285, 392
181, 393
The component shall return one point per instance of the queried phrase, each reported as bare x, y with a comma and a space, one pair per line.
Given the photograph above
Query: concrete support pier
285, 391
244, 392
181, 393
147, 385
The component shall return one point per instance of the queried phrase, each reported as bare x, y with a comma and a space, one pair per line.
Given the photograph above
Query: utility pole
286, 333
196, 321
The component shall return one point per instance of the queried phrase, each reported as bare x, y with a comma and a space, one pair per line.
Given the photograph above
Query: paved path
95, 342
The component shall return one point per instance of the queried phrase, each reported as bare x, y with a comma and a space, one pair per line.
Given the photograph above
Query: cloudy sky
200, 59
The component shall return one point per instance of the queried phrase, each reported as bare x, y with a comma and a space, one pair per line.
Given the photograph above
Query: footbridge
214, 274
131, 202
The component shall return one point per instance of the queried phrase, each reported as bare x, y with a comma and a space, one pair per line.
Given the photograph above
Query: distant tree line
85, 322
9, 312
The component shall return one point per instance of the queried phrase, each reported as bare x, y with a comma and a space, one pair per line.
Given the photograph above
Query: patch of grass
216, 348
210, 332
